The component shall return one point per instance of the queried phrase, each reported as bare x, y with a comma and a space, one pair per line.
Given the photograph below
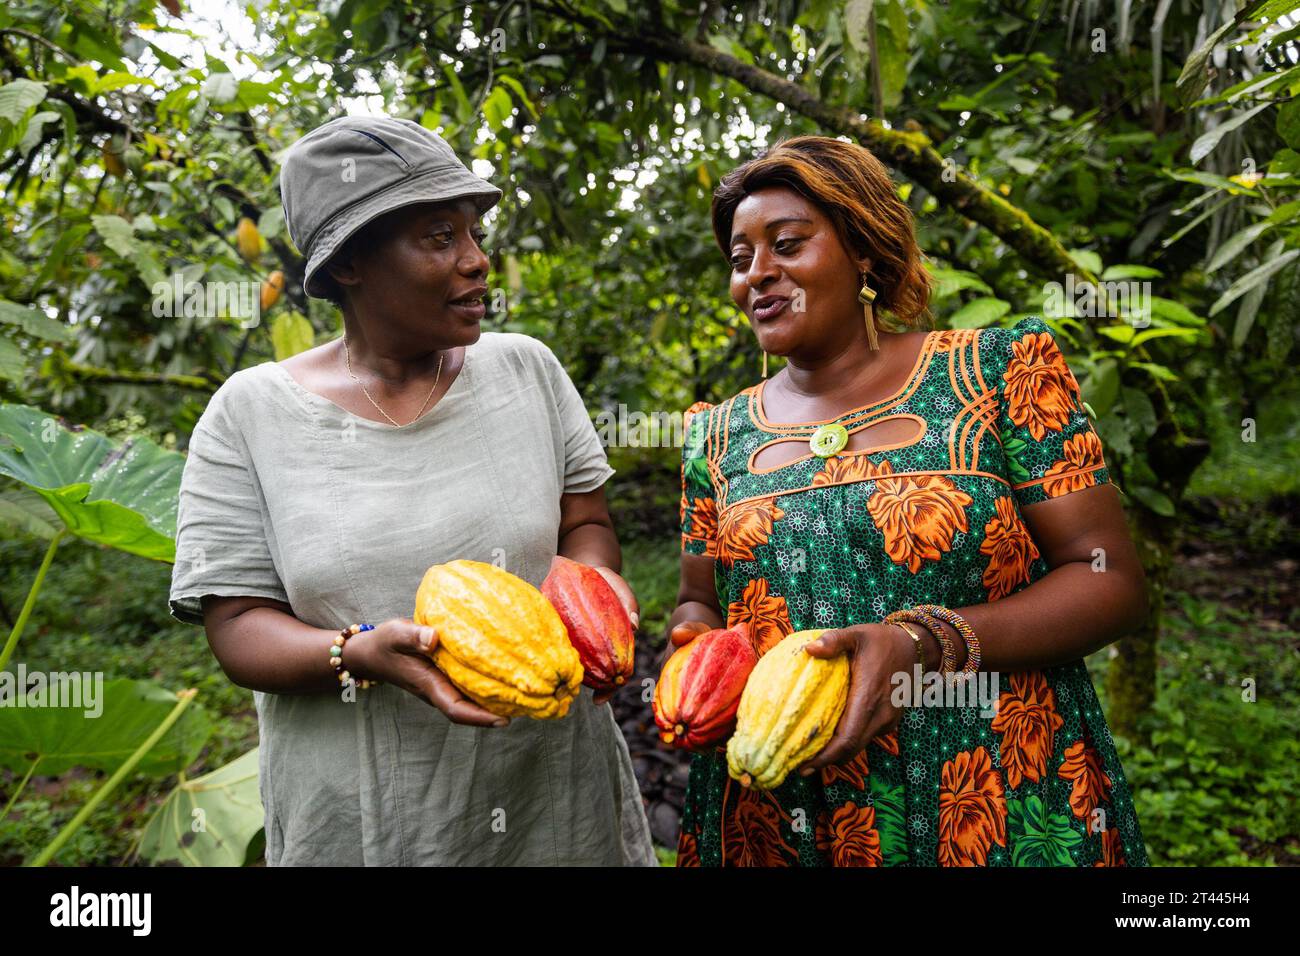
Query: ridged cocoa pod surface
699, 689
787, 713
598, 627
499, 640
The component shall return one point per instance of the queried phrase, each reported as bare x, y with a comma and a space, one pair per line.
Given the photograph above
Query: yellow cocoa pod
271, 289
248, 240
499, 640
788, 712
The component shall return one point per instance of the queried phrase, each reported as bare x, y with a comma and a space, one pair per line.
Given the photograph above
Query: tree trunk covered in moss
1131, 675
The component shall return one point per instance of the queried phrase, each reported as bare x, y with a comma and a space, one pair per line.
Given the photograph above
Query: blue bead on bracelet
336, 654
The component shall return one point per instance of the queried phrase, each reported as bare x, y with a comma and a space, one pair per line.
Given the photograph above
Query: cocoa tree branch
94, 373
909, 151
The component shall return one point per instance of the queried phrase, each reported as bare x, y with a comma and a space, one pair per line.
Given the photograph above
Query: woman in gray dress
317, 492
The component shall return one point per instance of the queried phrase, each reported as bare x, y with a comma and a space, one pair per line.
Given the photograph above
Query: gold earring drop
764, 365
867, 295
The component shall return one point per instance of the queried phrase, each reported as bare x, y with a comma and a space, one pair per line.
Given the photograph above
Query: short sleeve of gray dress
222, 549
288, 496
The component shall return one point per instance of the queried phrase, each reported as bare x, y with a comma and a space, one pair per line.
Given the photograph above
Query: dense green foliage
1040, 145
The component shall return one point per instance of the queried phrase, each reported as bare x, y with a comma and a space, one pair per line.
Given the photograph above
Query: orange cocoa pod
700, 686
599, 628
271, 289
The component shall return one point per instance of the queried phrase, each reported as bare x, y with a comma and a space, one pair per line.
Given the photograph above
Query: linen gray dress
286, 495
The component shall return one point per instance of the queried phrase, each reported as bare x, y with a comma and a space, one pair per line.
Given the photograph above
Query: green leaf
220, 88
1288, 123
35, 322
1087, 259
1157, 501
497, 108
1251, 279
522, 94
271, 223
1102, 387
1130, 272
66, 737
35, 130
1206, 142
291, 333
1246, 313
950, 281
1236, 244
1175, 311
1040, 838
117, 80
122, 495
18, 97
119, 235
1193, 77
891, 820
978, 313
207, 821
27, 512
1156, 371
13, 363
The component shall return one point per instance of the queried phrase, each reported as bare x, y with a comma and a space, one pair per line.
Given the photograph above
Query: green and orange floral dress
825, 543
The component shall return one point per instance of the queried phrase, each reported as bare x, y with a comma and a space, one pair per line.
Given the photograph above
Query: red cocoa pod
598, 626
699, 688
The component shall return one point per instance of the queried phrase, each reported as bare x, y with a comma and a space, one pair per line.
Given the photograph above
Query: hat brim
436, 186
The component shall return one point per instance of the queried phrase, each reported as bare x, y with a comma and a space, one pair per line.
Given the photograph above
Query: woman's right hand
397, 652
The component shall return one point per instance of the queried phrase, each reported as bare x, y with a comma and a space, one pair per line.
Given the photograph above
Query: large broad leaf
120, 495
27, 512
34, 323
66, 737
208, 821
978, 313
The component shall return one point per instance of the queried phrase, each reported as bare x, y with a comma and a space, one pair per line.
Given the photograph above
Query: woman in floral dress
972, 478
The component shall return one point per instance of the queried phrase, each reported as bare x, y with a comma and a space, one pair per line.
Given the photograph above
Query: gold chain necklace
437, 375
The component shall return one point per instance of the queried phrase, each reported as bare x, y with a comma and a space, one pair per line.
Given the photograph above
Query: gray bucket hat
349, 171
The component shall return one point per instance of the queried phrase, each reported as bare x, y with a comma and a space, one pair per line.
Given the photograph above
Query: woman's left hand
878, 652
629, 602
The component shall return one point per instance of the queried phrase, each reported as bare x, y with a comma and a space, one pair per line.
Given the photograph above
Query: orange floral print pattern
1112, 849
704, 522
917, 514
972, 809
844, 469
1009, 548
744, 527
1028, 722
752, 833
1082, 765
850, 837
688, 854
767, 616
943, 340
1081, 451
855, 771
1041, 390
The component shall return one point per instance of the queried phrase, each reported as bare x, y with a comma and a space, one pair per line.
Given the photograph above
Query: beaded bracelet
336, 654
965, 630
948, 663
916, 639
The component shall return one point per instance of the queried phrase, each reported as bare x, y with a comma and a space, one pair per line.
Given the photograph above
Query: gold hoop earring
867, 295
